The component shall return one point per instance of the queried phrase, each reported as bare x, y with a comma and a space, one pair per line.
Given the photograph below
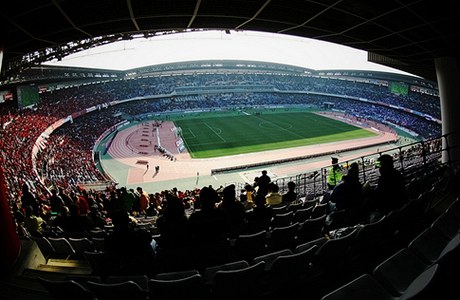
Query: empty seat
287, 272
209, 272
447, 223
270, 257
62, 247
429, 245
302, 214
117, 291
281, 220
366, 287
191, 287
244, 283
283, 237
397, 272
141, 280
80, 245
311, 229
319, 210
66, 289
248, 246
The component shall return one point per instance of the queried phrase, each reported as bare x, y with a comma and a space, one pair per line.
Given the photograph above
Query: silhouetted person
391, 192
28, 199
173, 224
260, 216
210, 223
291, 195
263, 182
55, 201
348, 195
235, 210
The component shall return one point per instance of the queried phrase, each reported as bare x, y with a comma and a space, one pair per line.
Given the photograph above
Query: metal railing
414, 160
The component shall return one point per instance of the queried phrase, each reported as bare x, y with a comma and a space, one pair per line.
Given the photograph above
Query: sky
218, 45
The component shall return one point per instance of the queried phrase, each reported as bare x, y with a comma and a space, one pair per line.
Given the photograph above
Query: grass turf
211, 136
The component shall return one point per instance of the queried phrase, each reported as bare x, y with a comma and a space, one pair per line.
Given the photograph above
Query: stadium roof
406, 35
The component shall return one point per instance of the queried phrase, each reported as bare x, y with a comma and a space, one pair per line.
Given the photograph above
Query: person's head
120, 218
384, 163
291, 185
208, 197
174, 206
229, 193
264, 172
353, 171
334, 160
260, 200
273, 187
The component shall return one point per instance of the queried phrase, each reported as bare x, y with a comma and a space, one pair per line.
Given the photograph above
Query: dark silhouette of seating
191, 287
248, 246
117, 291
244, 283
66, 289
282, 237
366, 287
311, 229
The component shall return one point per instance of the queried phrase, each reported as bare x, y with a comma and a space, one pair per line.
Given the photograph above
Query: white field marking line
265, 121
215, 132
194, 136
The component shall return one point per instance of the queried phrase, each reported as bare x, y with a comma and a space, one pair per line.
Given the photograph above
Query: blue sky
242, 45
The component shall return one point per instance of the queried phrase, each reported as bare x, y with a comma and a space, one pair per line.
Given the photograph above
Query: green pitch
214, 135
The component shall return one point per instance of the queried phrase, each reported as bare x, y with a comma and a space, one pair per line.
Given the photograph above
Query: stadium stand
66, 159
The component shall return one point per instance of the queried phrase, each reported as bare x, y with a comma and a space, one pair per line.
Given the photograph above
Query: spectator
172, 224
291, 195
134, 247
274, 198
144, 200
210, 223
33, 223
260, 216
235, 210
55, 201
348, 195
28, 199
391, 192
335, 174
262, 183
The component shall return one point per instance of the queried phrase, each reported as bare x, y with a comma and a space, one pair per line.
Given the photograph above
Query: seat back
209, 272
311, 229
66, 289
248, 246
236, 284
319, 210
80, 245
62, 247
269, 258
280, 220
117, 291
283, 237
191, 287
398, 271
140, 280
302, 214
288, 269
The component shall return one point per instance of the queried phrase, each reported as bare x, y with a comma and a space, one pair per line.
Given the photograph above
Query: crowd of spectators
66, 158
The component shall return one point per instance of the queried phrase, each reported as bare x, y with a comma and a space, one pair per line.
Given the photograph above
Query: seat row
425, 269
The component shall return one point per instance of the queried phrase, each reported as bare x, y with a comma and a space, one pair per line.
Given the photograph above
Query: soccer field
224, 135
